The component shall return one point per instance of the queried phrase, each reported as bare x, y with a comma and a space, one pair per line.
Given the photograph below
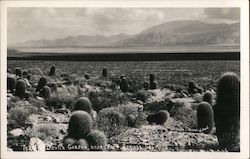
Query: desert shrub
184, 114
37, 103
35, 71
18, 115
55, 102
142, 95
158, 105
227, 110
111, 122
71, 144
80, 124
105, 99
159, 118
205, 117
97, 140
84, 104
45, 132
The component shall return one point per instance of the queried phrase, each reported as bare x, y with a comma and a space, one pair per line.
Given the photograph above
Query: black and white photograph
124, 79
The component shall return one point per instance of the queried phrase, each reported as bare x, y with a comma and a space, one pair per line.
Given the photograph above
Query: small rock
42, 110
36, 144
116, 146
56, 120
48, 119
16, 132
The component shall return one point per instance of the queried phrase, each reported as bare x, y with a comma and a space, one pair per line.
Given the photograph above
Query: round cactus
18, 72
131, 119
42, 82
105, 72
124, 84
153, 85
72, 144
28, 95
227, 110
97, 140
52, 71
87, 77
84, 104
20, 88
208, 97
192, 88
151, 78
200, 90
159, 118
25, 73
45, 92
11, 83
80, 124
205, 117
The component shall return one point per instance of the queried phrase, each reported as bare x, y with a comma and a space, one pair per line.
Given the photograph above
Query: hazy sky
51, 23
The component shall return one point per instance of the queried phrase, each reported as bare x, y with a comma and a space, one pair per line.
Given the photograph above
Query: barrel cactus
20, 88
159, 118
52, 71
227, 110
153, 85
87, 77
84, 104
124, 84
80, 124
151, 78
105, 72
205, 117
192, 88
28, 95
97, 140
131, 119
53, 87
11, 83
25, 73
45, 92
28, 77
42, 82
18, 72
208, 97
72, 144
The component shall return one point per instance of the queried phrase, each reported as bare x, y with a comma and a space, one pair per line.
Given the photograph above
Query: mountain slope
173, 33
187, 33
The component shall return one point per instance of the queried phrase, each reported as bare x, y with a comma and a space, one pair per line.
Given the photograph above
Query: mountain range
185, 32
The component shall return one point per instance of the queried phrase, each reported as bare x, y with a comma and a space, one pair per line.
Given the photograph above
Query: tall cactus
11, 83
52, 71
20, 88
105, 72
124, 84
227, 110
151, 78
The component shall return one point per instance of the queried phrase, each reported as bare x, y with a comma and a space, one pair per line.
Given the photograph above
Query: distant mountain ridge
185, 32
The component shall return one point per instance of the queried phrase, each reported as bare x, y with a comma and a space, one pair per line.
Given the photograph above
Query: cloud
223, 13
